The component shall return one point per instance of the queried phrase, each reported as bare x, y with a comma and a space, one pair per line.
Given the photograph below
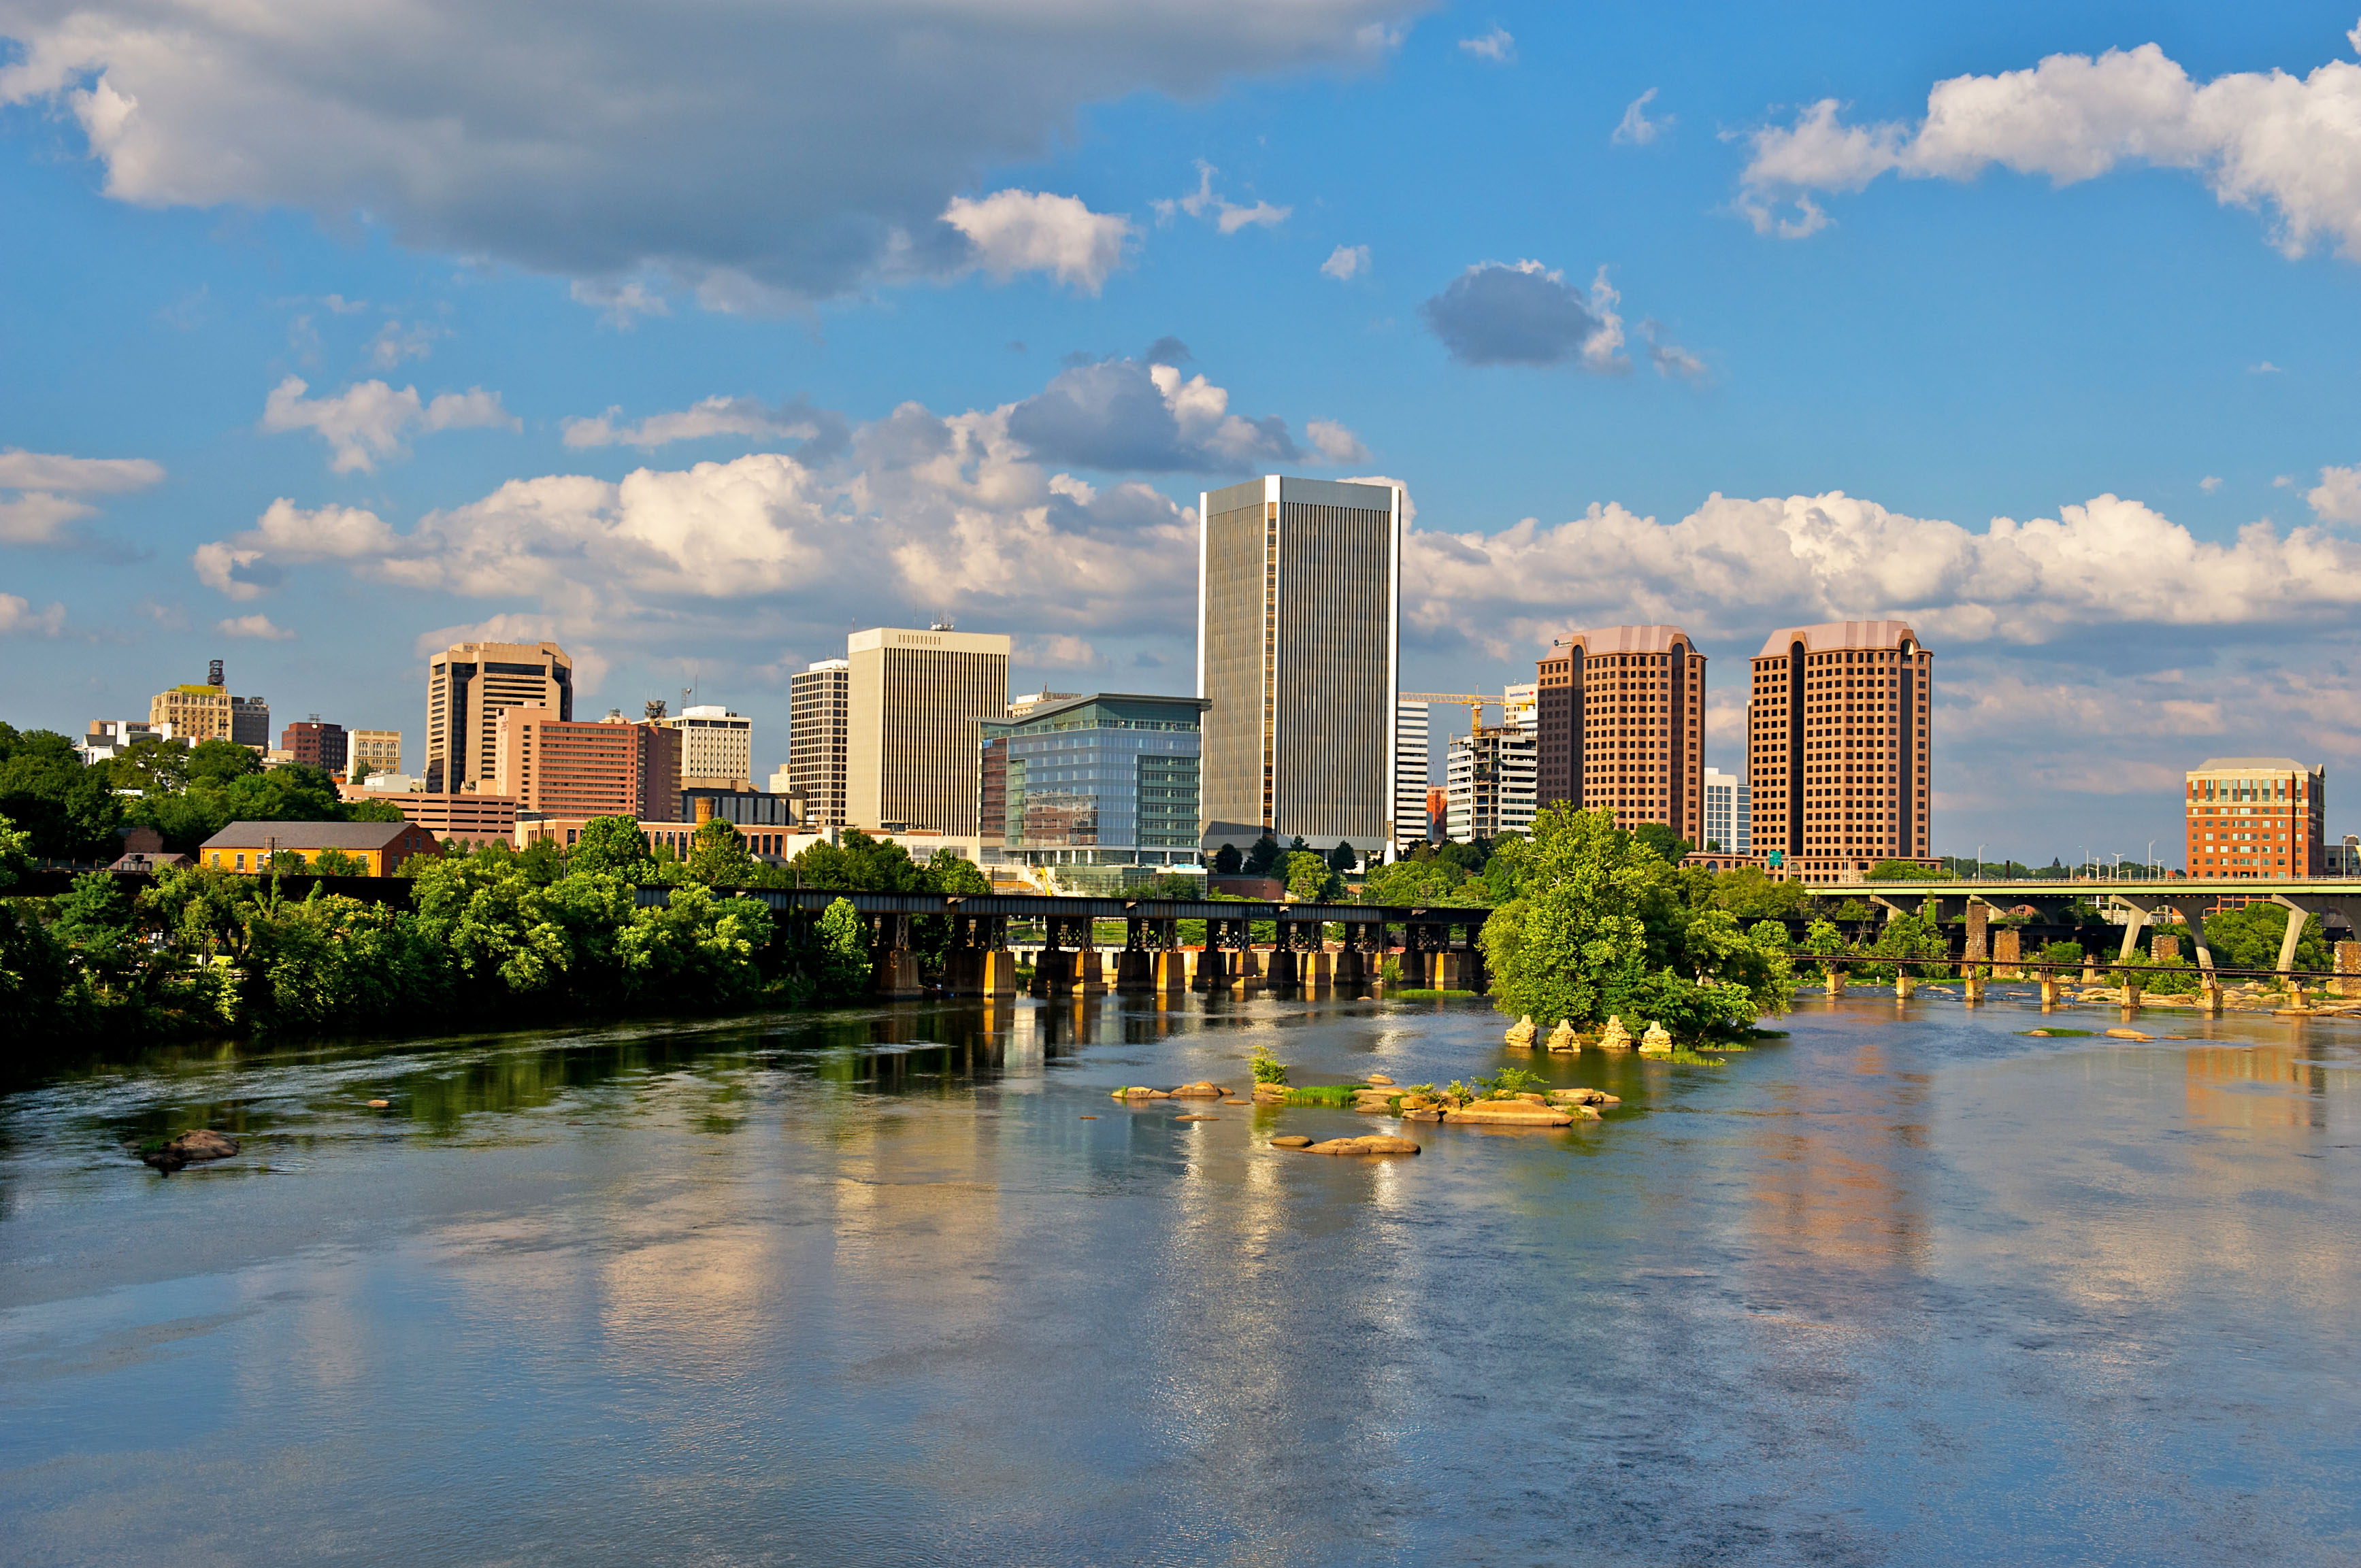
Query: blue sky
929, 291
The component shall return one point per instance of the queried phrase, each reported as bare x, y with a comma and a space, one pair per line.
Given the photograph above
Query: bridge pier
1971, 986
1904, 986
2132, 993
2049, 990
1135, 971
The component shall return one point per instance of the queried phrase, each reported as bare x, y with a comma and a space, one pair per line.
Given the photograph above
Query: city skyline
1773, 351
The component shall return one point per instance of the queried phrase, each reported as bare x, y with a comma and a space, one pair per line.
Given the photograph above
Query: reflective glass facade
1104, 780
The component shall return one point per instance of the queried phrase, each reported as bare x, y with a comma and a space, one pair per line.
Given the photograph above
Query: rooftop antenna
942, 622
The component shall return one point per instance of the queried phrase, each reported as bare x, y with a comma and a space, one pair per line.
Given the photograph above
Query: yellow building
380, 749
381, 847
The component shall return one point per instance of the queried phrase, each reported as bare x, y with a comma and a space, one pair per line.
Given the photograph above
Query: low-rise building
208, 712
379, 750
314, 743
251, 846
1728, 813
2253, 817
110, 737
469, 820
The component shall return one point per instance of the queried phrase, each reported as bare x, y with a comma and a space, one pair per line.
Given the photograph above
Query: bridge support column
2090, 969
1135, 971
999, 973
2348, 963
1286, 968
2048, 991
1090, 973
2007, 950
2132, 992
1171, 972
1053, 973
1971, 986
894, 975
1353, 968
1212, 971
1318, 971
1904, 986
1836, 981
2299, 996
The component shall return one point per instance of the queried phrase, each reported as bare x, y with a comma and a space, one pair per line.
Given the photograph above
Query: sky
695, 337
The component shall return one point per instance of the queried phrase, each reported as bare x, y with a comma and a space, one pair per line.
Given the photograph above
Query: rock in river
197, 1144
1377, 1144
1511, 1113
1293, 1141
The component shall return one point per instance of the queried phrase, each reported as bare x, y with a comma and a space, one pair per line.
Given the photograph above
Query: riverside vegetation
493, 935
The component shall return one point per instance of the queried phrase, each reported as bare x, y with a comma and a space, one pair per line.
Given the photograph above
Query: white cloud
2289, 145
1062, 651
805, 147
621, 303
395, 342
2265, 368
1345, 263
247, 566
1227, 215
19, 619
1143, 416
1669, 358
2338, 497
1496, 46
1032, 231
1635, 128
1334, 443
2210, 483
1736, 566
707, 418
255, 626
370, 419
43, 509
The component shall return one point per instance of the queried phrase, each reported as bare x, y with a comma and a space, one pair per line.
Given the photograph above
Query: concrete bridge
1434, 946
1971, 902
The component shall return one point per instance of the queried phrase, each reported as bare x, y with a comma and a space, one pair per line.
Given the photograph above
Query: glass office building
1102, 789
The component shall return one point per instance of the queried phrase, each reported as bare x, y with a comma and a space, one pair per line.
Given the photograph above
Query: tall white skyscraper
916, 741
819, 737
1412, 767
1728, 813
1490, 783
1298, 612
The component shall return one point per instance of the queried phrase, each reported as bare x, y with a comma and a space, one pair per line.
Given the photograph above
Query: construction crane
1475, 703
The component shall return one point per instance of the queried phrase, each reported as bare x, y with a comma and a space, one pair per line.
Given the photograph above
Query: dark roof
308, 835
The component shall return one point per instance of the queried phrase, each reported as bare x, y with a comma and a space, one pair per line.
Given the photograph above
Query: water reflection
907, 1284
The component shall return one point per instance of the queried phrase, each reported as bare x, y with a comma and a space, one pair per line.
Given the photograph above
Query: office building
470, 821
314, 744
1438, 813
468, 687
208, 712
1103, 788
1413, 764
1490, 783
379, 750
2253, 817
745, 808
1299, 606
553, 767
110, 737
1620, 724
914, 700
2345, 858
1838, 732
716, 747
1729, 813
1023, 707
819, 737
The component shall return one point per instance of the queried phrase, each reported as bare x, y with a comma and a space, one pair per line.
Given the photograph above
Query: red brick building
2256, 818
315, 744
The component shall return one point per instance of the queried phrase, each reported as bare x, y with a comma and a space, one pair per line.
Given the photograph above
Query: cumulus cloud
1030, 231
1669, 358
1735, 566
1345, 263
1527, 314
1226, 214
40, 492
395, 342
1635, 128
801, 147
710, 418
1139, 415
370, 419
1496, 46
255, 626
19, 619
2338, 497
1063, 652
247, 566
2210, 483
2289, 146
1334, 443
620, 303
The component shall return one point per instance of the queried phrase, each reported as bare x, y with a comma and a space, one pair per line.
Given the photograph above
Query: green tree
954, 875
1662, 841
1905, 870
843, 960
1420, 884
1168, 884
1309, 880
717, 856
859, 863
1262, 860
1751, 894
66, 811
614, 846
1228, 861
1343, 857
1597, 927
93, 919
335, 863
1468, 858
16, 854
695, 947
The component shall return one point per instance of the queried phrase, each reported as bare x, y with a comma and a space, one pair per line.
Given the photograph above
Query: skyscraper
913, 699
1101, 788
2256, 816
1299, 607
1412, 763
468, 685
316, 744
716, 747
1488, 784
818, 737
1837, 746
1621, 713
1728, 813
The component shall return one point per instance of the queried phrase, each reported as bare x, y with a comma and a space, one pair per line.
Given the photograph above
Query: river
875, 1287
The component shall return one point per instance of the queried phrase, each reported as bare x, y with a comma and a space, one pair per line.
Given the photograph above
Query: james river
1906, 1287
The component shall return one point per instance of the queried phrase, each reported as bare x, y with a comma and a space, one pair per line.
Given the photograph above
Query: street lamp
1980, 862
2151, 859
